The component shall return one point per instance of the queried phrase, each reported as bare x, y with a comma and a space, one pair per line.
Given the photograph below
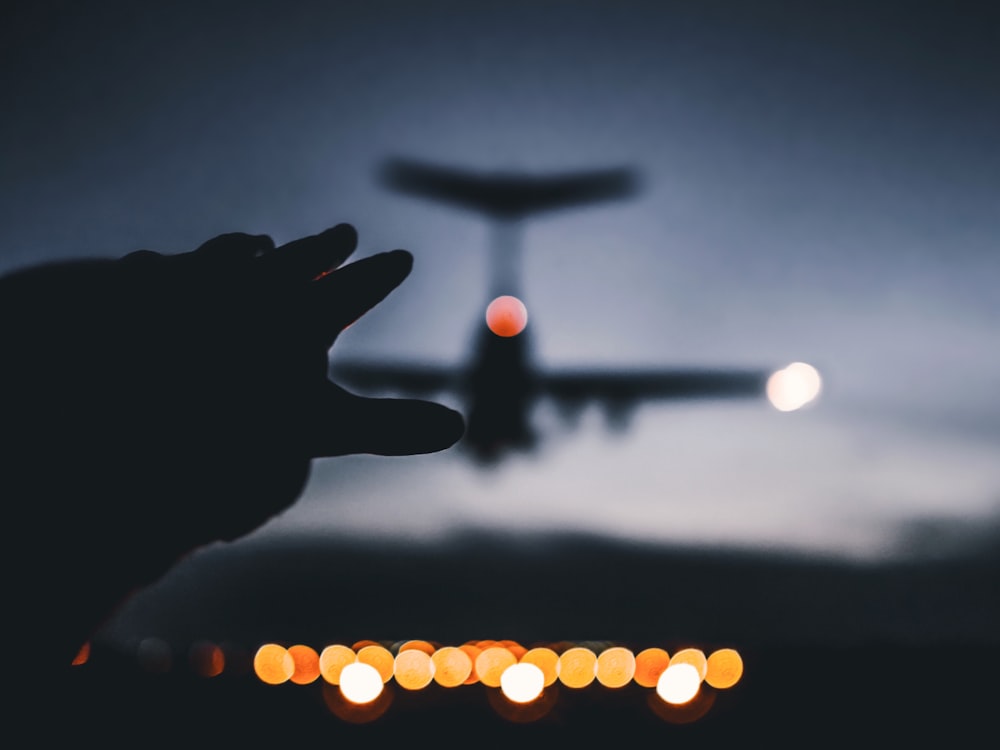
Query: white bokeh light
794, 387
360, 683
522, 683
678, 684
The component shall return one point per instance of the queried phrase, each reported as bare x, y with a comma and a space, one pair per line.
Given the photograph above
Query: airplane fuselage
500, 390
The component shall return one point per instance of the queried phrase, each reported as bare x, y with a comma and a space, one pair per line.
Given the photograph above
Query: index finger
309, 257
344, 423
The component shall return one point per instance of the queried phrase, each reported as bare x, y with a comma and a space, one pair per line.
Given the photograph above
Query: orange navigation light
506, 316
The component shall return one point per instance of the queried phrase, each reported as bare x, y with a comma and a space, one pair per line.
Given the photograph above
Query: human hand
167, 401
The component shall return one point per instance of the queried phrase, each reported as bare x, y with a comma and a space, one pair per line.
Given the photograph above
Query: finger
349, 424
226, 249
308, 257
342, 297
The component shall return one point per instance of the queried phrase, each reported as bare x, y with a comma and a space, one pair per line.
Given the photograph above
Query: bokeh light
724, 668
379, 657
577, 667
452, 666
794, 387
426, 646
413, 669
679, 683
306, 662
206, 659
615, 667
650, 663
473, 651
693, 656
360, 683
333, 659
506, 316
273, 664
522, 682
491, 663
546, 660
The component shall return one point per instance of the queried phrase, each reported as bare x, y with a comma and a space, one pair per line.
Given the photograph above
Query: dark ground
890, 654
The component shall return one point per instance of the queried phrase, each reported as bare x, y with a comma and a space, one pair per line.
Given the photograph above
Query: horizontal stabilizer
508, 194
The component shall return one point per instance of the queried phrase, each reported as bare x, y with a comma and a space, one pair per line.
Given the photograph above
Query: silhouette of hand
161, 402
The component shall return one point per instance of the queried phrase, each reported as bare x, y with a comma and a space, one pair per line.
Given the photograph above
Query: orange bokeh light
546, 660
413, 669
650, 663
426, 646
693, 656
452, 666
332, 661
724, 668
306, 664
577, 667
491, 663
273, 664
379, 657
615, 667
473, 651
206, 659
506, 316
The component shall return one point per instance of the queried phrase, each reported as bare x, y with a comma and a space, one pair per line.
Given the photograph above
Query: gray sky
822, 182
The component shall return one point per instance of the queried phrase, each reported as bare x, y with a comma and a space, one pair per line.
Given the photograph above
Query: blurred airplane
500, 384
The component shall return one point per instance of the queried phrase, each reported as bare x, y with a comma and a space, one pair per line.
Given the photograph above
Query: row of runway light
522, 674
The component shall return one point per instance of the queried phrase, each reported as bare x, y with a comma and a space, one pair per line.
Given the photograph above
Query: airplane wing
676, 384
618, 393
503, 194
571, 387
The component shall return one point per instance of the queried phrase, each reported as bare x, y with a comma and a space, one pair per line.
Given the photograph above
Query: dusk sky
821, 182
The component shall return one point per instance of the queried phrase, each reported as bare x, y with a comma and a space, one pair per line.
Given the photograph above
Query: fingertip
384, 427
452, 426
437, 428
398, 262
344, 234
404, 258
